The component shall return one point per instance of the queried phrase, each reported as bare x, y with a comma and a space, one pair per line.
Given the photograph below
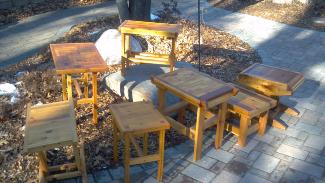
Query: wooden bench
50, 126
249, 105
131, 120
130, 27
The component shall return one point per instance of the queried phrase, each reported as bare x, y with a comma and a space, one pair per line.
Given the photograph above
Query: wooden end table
51, 126
138, 119
130, 27
79, 58
199, 93
273, 82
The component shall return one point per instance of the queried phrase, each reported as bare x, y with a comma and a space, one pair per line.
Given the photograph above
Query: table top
149, 28
72, 58
250, 103
192, 85
138, 117
49, 126
271, 80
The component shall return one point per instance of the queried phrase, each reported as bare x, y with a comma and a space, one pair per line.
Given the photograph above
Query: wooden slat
150, 61
65, 175
64, 167
173, 108
180, 128
144, 159
78, 89
136, 145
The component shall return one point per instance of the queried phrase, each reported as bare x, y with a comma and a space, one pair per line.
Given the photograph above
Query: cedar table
79, 58
249, 106
51, 126
130, 27
134, 119
273, 82
199, 93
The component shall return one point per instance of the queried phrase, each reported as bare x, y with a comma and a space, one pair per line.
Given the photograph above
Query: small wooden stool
248, 105
49, 126
138, 119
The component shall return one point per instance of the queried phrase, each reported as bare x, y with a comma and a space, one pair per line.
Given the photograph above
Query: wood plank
175, 107
65, 175
161, 155
198, 139
144, 159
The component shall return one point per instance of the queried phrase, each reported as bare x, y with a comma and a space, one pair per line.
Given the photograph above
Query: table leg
94, 85
115, 142
127, 49
64, 86
69, 86
126, 158
161, 99
145, 144
43, 168
243, 126
173, 58
221, 124
199, 133
262, 123
161, 155
86, 90
123, 55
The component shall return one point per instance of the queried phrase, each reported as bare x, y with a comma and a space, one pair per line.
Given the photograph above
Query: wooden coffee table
273, 82
79, 58
199, 93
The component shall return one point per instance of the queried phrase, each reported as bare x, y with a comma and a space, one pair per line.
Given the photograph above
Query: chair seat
249, 103
50, 125
138, 117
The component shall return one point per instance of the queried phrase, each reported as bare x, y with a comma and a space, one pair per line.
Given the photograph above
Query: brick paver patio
294, 155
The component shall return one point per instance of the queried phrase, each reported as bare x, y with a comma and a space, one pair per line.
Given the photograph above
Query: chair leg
43, 168
244, 121
161, 154
126, 158
262, 123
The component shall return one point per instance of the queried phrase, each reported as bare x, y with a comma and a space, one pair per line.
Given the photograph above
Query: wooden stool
49, 126
248, 105
134, 119
131, 27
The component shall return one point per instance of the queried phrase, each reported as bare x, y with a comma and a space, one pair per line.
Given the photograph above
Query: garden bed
223, 57
297, 14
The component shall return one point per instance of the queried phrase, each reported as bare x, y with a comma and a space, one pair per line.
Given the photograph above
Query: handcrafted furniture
50, 126
138, 119
249, 105
273, 82
199, 93
130, 27
79, 58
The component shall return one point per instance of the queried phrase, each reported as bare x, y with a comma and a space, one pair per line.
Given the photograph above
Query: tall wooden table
79, 58
199, 92
130, 27
273, 82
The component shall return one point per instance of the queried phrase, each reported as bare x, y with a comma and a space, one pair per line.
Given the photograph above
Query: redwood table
199, 93
79, 58
273, 82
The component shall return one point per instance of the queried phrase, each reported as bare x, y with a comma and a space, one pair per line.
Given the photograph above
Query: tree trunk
134, 9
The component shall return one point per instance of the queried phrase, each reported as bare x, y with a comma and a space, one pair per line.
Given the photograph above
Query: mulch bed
296, 14
13, 15
223, 57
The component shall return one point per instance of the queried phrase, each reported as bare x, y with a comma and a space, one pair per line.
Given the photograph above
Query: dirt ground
223, 57
10, 16
296, 14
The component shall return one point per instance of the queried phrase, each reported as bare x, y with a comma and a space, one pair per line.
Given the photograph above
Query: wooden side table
49, 126
79, 58
138, 119
273, 82
199, 93
249, 105
130, 27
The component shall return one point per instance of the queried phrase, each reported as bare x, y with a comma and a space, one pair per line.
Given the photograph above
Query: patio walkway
294, 155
